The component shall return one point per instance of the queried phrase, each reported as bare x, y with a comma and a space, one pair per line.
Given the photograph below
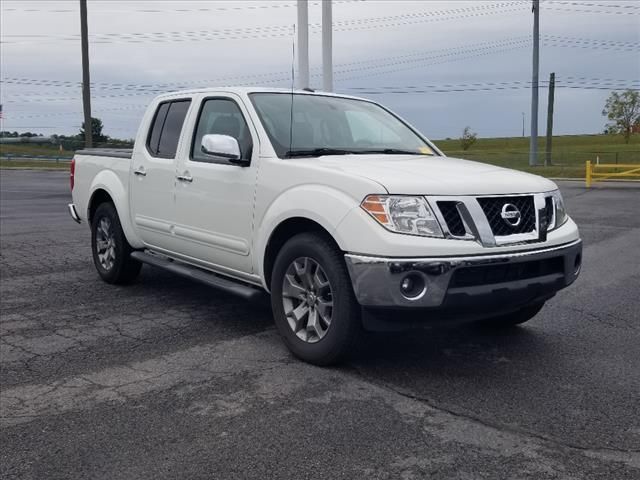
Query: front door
153, 176
215, 197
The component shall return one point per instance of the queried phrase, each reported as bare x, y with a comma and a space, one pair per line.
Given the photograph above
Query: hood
425, 175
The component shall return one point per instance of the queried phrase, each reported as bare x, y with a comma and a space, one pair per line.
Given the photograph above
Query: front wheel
111, 251
312, 300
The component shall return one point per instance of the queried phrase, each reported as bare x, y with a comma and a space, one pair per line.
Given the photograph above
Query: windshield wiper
390, 151
316, 152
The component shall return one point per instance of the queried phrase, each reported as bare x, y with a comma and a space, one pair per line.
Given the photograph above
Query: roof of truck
248, 90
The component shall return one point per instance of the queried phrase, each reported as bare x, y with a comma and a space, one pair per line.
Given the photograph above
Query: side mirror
222, 146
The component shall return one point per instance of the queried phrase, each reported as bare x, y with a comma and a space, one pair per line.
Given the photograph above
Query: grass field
569, 153
35, 165
33, 149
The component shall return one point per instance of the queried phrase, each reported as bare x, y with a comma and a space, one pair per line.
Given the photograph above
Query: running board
194, 273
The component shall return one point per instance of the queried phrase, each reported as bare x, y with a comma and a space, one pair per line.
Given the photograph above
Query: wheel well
98, 197
284, 232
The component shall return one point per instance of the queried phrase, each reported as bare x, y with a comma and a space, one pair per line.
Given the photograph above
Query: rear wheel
516, 318
111, 251
312, 300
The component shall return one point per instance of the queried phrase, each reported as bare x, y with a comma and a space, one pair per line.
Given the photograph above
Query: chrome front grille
452, 218
491, 221
493, 209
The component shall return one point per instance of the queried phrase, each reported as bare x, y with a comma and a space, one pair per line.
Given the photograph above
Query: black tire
119, 270
516, 318
344, 329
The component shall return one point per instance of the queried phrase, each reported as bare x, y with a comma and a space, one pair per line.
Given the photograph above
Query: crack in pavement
259, 354
497, 426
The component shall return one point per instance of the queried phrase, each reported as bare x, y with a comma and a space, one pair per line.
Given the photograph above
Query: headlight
401, 214
560, 213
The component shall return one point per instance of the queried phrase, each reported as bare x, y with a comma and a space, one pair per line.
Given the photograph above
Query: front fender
109, 181
322, 204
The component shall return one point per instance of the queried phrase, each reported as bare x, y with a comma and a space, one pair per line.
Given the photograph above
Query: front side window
325, 125
221, 116
164, 133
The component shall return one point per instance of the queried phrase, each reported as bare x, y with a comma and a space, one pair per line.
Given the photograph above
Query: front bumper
492, 283
71, 207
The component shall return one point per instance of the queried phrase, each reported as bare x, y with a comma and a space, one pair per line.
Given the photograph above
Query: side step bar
194, 273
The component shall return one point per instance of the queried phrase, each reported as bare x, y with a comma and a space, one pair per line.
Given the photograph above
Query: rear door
153, 179
215, 197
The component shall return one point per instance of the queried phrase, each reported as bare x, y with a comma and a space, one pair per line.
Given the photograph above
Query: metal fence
36, 158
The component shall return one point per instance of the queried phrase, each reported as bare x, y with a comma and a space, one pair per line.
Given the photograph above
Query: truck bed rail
107, 152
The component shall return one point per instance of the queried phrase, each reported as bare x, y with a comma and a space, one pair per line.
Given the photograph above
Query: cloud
376, 44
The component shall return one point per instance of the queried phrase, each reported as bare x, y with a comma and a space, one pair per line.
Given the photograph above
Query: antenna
293, 78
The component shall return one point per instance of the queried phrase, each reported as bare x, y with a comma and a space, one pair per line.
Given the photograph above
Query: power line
566, 82
589, 4
77, 112
129, 86
438, 56
579, 10
379, 92
379, 66
524, 83
374, 66
179, 10
275, 31
268, 77
581, 83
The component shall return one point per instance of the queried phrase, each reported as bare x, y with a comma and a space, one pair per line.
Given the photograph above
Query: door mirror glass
220, 146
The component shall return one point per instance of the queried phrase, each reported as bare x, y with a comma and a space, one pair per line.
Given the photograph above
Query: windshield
324, 125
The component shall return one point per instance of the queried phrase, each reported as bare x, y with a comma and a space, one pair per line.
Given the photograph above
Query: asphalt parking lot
170, 379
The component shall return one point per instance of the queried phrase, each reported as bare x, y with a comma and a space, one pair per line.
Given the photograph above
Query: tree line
72, 142
621, 109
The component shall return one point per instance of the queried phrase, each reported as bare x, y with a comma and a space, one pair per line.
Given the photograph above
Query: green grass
570, 152
36, 165
33, 149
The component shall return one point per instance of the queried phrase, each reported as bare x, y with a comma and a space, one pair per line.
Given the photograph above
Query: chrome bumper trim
74, 213
376, 279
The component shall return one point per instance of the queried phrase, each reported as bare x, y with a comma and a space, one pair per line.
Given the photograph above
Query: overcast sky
468, 61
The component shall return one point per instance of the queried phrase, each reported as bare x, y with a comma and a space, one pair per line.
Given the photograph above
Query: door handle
185, 178
140, 172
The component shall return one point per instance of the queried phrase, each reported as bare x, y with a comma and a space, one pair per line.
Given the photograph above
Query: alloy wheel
307, 298
105, 243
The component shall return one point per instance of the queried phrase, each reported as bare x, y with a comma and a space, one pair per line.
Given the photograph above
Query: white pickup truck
342, 211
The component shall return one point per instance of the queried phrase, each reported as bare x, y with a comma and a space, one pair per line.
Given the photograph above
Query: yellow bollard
587, 175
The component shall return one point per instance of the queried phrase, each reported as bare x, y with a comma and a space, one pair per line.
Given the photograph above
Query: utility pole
533, 146
303, 44
327, 46
552, 87
522, 124
86, 89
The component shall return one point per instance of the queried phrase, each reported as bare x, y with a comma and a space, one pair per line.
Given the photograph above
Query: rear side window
165, 130
156, 128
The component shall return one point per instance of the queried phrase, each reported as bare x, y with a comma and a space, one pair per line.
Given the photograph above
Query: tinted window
156, 128
222, 117
327, 122
171, 129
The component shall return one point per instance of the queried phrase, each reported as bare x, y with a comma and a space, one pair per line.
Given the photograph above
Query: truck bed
107, 152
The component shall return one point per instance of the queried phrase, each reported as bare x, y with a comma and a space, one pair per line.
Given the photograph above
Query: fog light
577, 264
412, 286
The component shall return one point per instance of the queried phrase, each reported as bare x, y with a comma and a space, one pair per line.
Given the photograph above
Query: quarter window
167, 125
